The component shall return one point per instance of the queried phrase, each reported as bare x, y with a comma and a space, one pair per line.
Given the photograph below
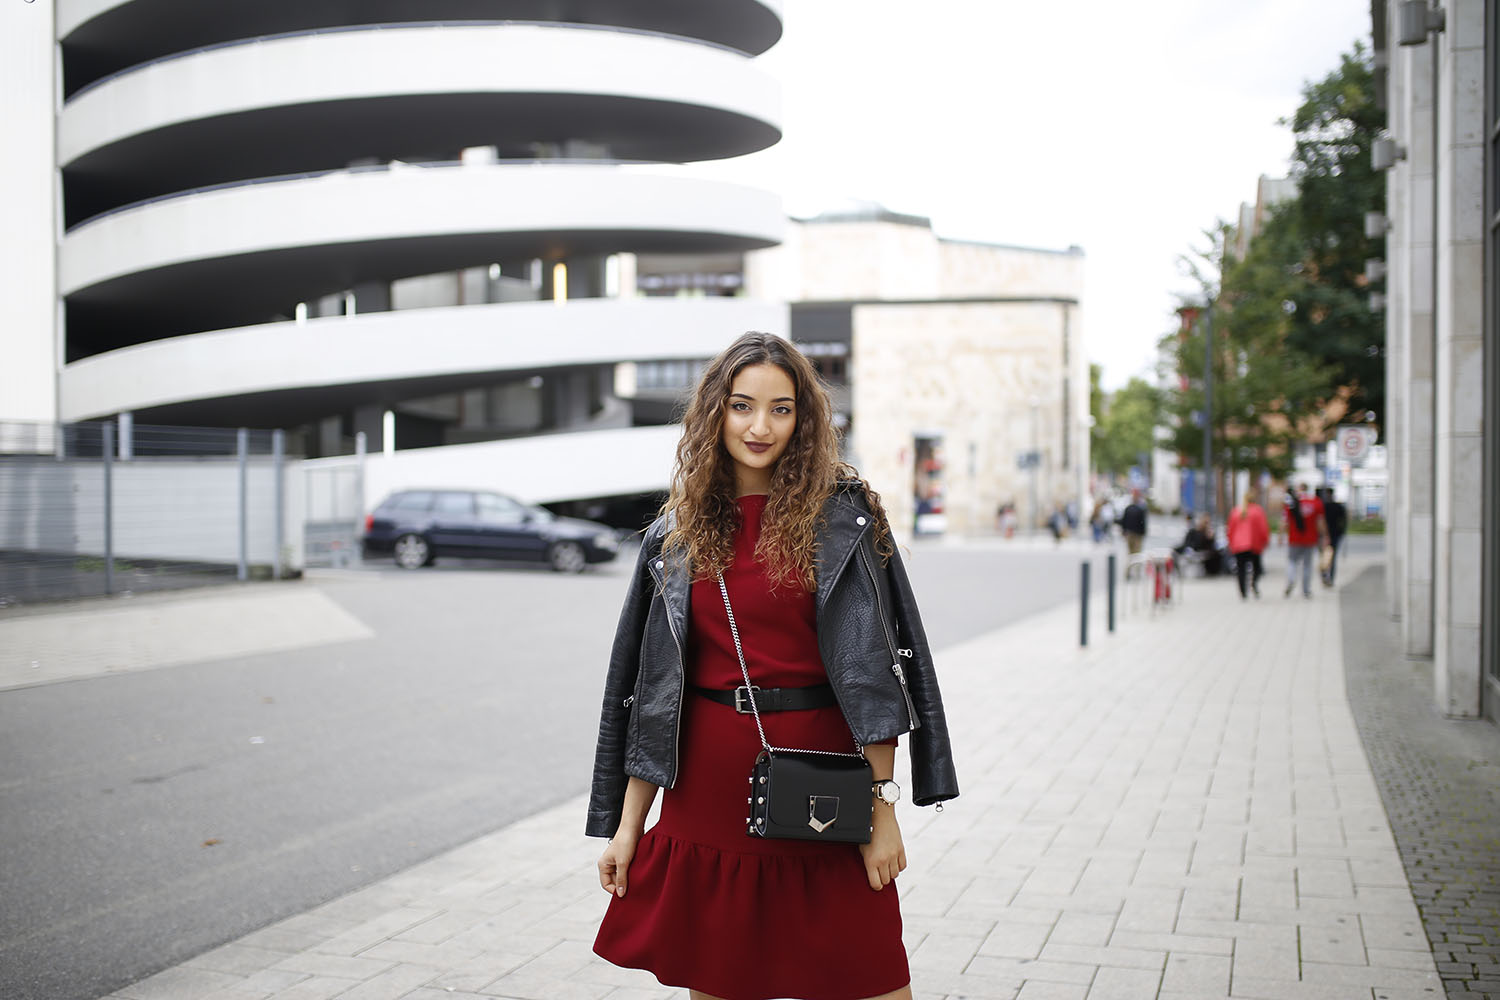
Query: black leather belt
772, 699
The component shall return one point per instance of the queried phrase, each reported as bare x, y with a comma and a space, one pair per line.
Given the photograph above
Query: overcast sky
1124, 128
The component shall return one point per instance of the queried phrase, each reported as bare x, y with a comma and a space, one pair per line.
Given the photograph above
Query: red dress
711, 908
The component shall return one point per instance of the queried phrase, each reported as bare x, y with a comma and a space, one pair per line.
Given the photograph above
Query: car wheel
413, 551
567, 557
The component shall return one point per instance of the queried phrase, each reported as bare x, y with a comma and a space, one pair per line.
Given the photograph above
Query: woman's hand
885, 854
614, 863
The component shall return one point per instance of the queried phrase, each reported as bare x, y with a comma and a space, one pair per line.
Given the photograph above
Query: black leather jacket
869, 635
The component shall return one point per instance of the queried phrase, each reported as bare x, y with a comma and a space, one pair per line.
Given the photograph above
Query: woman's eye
783, 410
739, 406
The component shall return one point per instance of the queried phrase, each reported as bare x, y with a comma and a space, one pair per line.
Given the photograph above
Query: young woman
1248, 535
832, 639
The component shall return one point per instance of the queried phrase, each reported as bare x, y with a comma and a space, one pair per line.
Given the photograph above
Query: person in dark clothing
1200, 539
1336, 516
1133, 522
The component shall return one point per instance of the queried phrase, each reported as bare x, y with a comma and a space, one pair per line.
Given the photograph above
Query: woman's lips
757, 447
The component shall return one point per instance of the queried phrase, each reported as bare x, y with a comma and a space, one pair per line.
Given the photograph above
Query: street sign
1028, 460
1354, 442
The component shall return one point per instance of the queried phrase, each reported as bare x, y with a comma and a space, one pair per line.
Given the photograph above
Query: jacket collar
844, 524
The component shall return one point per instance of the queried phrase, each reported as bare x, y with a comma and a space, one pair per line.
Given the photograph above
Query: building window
659, 376
831, 358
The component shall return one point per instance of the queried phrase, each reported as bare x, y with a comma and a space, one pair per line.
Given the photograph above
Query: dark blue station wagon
418, 526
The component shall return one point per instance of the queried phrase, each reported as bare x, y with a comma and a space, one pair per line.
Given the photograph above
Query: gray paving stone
1125, 984
1036, 990
1023, 970
392, 984
315, 963
181, 983
1200, 974
945, 954
237, 959
1083, 929
1015, 940
316, 988
1268, 956
1112, 956
1339, 944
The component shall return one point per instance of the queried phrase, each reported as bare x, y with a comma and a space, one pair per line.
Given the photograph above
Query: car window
412, 501
460, 504
498, 509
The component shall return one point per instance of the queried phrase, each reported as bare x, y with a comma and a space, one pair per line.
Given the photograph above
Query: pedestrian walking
1305, 529
1103, 521
771, 565
1248, 537
1133, 523
1336, 516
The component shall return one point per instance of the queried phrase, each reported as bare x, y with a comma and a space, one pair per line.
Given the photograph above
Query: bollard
1111, 589
107, 451
1083, 617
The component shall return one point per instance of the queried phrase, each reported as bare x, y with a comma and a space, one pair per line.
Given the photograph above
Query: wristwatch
886, 791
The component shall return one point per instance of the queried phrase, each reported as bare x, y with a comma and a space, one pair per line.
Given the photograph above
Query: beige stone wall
967, 270
969, 373
884, 260
852, 260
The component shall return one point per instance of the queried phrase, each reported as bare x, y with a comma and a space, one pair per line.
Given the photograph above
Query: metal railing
110, 507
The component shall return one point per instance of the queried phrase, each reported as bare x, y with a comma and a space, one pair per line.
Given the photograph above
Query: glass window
412, 501
498, 509
455, 503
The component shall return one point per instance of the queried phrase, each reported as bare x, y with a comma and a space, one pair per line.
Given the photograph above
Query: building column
28, 204
1397, 330
1459, 332
1414, 229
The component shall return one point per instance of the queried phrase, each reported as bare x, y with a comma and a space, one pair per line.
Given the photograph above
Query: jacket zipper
911, 709
661, 584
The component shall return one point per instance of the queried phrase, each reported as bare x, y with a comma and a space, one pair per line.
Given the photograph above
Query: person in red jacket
1305, 530
1248, 535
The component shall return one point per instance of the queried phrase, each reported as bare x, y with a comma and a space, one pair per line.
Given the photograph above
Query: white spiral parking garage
292, 366
213, 258
420, 216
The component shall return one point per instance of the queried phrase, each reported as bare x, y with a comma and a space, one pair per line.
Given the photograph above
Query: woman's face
759, 419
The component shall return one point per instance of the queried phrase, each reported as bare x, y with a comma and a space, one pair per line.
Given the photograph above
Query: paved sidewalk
1440, 781
1182, 811
41, 645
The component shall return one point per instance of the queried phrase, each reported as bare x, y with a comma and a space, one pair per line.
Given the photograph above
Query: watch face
888, 791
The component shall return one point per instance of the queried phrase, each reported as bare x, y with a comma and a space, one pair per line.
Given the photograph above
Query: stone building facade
960, 360
1437, 73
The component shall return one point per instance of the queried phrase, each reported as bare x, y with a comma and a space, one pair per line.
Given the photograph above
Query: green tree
1126, 428
1293, 329
1321, 237
1096, 410
1264, 388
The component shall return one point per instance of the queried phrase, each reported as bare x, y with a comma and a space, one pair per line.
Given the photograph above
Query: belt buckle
743, 700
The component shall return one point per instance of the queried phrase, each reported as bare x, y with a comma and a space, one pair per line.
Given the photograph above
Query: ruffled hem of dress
752, 926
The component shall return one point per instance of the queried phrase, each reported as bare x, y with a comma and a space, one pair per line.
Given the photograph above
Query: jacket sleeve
607, 798
933, 776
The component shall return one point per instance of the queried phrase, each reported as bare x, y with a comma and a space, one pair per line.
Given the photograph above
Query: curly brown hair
701, 508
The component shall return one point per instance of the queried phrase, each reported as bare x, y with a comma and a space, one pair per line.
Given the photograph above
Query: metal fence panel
163, 513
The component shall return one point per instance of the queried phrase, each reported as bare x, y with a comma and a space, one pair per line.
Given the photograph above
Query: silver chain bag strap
803, 794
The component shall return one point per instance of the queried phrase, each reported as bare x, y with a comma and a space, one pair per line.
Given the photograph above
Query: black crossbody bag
804, 794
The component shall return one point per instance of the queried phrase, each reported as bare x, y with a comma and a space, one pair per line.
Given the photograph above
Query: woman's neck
746, 486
